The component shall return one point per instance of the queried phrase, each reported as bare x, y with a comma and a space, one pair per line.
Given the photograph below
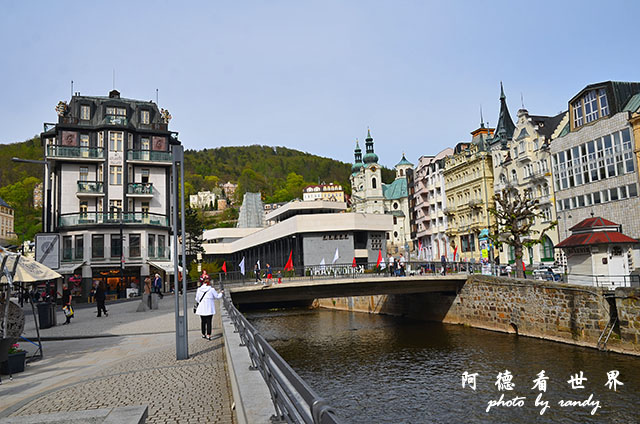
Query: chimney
114, 94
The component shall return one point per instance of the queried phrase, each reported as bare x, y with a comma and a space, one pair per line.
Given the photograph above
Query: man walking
256, 270
100, 298
443, 260
157, 285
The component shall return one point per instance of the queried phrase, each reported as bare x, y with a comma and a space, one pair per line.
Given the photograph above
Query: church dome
370, 158
357, 167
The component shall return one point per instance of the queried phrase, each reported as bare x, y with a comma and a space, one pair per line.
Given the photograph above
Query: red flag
454, 253
289, 265
354, 262
224, 267
379, 258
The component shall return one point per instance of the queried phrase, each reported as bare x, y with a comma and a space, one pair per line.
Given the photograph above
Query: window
100, 175
84, 173
134, 245
115, 175
514, 175
97, 246
577, 114
374, 183
145, 208
547, 249
613, 194
84, 209
145, 176
144, 144
395, 220
151, 245
144, 117
118, 111
604, 106
85, 112
130, 144
116, 246
591, 107
79, 240
100, 139
115, 141
161, 246
67, 248
596, 198
623, 192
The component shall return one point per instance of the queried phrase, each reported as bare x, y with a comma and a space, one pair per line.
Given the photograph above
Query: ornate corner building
108, 189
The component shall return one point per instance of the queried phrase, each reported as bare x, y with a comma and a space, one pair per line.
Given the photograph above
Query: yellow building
468, 179
6, 221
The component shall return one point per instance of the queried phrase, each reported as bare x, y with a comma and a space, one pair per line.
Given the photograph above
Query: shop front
118, 284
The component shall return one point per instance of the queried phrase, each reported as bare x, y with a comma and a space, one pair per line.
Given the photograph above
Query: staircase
608, 329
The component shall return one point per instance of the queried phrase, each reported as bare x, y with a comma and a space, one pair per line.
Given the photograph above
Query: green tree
194, 227
515, 215
27, 219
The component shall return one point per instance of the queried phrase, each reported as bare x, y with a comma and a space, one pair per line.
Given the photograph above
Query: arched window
547, 249
401, 172
514, 175
374, 183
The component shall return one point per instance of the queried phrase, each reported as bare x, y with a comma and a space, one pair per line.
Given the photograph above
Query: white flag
382, 264
258, 264
336, 256
322, 262
241, 265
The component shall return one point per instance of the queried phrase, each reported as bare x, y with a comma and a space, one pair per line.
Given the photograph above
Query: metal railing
338, 271
293, 399
149, 155
605, 281
91, 218
59, 151
90, 187
140, 188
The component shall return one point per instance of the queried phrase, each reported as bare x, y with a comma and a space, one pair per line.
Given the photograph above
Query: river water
381, 369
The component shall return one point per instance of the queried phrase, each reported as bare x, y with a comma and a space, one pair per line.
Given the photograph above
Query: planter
16, 361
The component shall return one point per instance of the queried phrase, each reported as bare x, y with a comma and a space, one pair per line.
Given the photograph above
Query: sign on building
48, 250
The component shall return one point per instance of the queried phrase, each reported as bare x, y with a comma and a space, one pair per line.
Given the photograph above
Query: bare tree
515, 215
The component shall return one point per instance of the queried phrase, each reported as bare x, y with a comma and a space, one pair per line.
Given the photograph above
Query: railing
338, 271
90, 187
149, 155
76, 152
92, 218
140, 188
605, 281
293, 399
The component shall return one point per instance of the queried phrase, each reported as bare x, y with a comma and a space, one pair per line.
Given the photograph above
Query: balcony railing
128, 218
59, 151
140, 188
90, 187
475, 203
149, 155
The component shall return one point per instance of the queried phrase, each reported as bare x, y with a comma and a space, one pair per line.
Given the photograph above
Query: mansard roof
396, 190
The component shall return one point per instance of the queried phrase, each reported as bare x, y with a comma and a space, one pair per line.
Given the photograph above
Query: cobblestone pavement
139, 368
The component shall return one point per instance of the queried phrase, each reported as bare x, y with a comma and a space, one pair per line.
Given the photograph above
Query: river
382, 369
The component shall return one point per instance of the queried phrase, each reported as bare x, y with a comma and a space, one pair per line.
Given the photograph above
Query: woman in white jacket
205, 297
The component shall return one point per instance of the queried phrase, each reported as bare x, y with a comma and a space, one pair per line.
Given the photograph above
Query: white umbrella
28, 270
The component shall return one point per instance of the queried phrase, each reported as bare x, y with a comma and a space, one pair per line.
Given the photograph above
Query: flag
455, 250
419, 249
258, 263
289, 265
224, 267
241, 265
354, 262
336, 256
379, 258
322, 262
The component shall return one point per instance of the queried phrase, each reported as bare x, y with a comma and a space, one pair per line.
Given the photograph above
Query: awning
68, 268
165, 266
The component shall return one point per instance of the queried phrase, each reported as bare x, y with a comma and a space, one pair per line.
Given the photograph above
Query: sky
313, 75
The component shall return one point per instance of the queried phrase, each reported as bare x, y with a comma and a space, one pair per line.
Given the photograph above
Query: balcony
140, 190
75, 152
475, 203
115, 218
449, 210
146, 156
115, 120
544, 199
90, 189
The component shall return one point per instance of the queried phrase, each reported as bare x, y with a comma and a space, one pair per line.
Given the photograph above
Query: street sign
48, 249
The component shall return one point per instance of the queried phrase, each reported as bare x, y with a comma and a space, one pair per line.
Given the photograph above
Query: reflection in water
381, 369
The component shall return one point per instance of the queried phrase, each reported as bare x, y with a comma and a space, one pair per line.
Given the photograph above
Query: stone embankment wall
552, 311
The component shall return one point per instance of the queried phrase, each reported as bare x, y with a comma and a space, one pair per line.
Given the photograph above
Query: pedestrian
524, 274
101, 296
157, 285
269, 274
204, 276
443, 261
392, 265
66, 303
508, 269
147, 289
279, 277
256, 270
205, 296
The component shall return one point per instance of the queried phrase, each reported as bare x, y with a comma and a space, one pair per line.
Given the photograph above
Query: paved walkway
125, 359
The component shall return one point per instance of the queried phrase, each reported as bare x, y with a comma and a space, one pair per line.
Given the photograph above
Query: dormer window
590, 107
85, 112
117, 111
144, 117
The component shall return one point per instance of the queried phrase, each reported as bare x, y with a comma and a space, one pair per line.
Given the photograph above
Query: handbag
195, 307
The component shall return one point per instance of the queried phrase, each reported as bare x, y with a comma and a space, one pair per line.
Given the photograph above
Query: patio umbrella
28, 270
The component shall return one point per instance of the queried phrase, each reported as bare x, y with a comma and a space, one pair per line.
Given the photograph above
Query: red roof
598, 237
593, 223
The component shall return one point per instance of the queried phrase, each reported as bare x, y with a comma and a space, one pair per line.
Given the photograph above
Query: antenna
481, 118
522, 99
71, 88
156, 96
